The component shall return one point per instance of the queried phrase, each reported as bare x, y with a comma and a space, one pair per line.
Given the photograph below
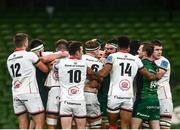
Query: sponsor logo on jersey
164, 64
17, 84
56, 76
73, 90
124, 84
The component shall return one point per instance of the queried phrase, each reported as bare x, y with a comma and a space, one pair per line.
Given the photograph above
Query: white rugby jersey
23, 72
72, 76
92, 62
164, 90
52, 79
124, 69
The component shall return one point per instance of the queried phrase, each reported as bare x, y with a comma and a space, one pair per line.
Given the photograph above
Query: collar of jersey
124, 51
19, 49
73, 57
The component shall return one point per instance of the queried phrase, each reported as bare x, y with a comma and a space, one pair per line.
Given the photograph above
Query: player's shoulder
164, 59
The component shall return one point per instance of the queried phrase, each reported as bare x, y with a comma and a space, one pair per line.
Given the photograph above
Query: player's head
75, 49
148, 50
92, 47
36, 46
140, 50
110, 47
134, 47
157, 48
21, 40
61, 45
123, 42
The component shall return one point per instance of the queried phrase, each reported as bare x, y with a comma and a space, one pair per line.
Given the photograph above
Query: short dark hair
35, 42
61, 44
134, 46
149, 49
19, 39
156, 42
123, 42
74, 46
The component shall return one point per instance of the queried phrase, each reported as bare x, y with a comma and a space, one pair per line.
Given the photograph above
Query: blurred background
82, 20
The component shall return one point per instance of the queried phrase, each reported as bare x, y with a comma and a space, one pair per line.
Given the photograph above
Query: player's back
22, 70
92, 62
72, 76
124, 69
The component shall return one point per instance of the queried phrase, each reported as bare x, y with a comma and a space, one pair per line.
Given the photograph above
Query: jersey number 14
125, 69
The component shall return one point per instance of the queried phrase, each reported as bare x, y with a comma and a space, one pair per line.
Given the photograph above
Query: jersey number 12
15, 69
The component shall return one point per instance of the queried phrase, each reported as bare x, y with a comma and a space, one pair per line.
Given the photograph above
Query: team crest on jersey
124, 84
73, 90
17, 84
55, 76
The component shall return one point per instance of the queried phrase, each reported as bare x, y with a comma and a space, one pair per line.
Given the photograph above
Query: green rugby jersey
147, 89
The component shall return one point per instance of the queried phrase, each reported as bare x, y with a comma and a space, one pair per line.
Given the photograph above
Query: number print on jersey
125, 69
15, 69
74, 76
95, 67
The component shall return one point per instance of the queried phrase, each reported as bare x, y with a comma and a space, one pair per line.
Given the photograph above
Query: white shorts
31, 103
92, 105
166, 107
116, 103
53, 101
75, 109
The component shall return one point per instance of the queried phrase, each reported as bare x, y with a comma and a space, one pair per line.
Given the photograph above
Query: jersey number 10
74, 76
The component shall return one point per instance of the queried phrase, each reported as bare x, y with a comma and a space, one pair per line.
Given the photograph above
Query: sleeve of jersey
55, 66
109, 60
164, 65
140, 64
34, 58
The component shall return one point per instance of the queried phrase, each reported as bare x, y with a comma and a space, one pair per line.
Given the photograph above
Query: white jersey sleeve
164, 90
33, 57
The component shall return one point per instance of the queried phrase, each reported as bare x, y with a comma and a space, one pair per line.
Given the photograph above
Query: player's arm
150, 76
163, 68
92, 84
91, 74
105, 70
44, 68
52, 57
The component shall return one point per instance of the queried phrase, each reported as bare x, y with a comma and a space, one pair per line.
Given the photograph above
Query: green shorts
146, 109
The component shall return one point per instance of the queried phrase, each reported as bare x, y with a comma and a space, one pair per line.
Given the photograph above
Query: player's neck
20, 49
74, 57
123, 50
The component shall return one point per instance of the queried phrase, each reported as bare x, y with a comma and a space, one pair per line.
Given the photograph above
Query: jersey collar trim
124, 51
19, 49
73, 57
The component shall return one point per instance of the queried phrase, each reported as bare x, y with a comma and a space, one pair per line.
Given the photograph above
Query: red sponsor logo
124, 84
73, 90
17, 84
